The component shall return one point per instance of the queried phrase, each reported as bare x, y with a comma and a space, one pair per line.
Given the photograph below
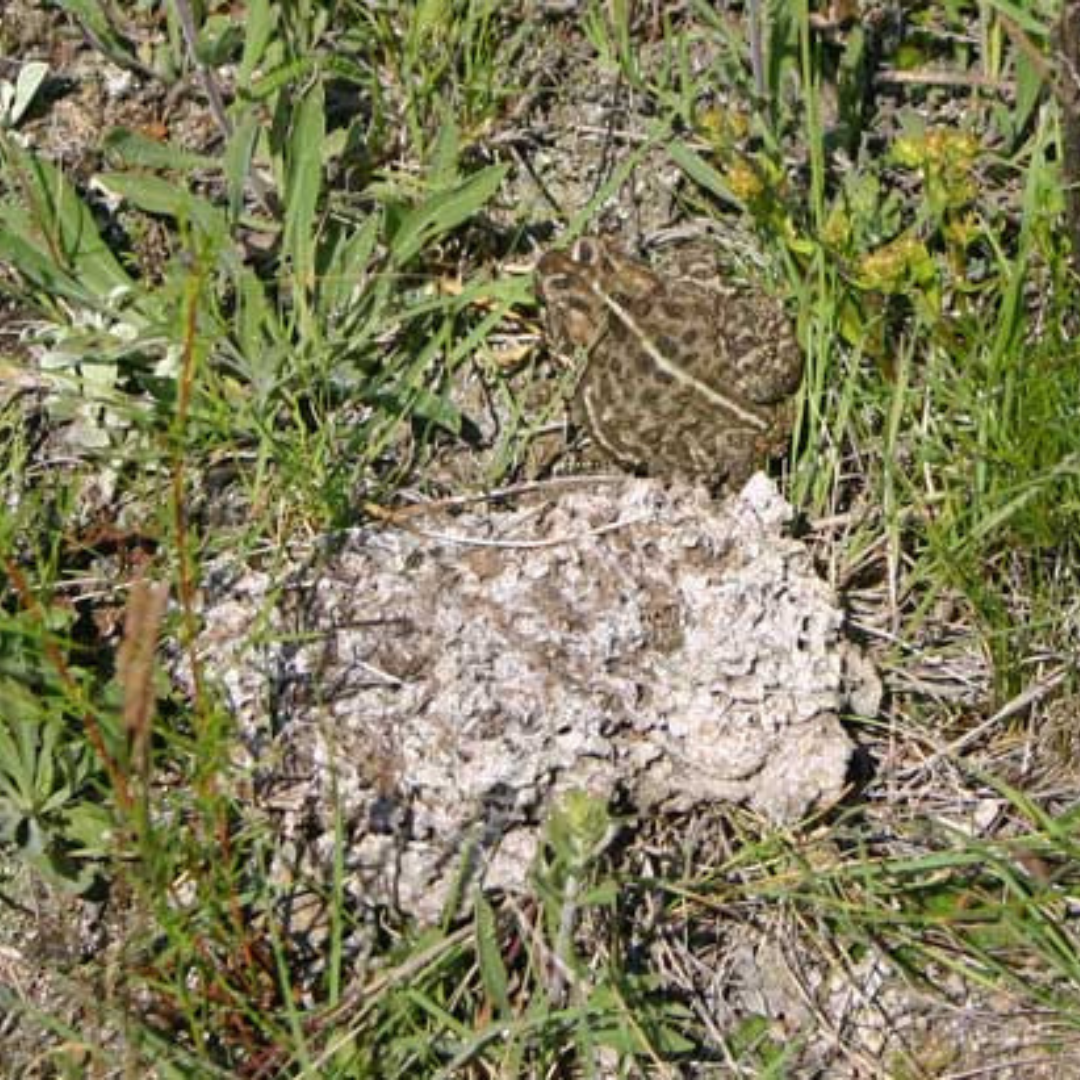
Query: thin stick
1068, 92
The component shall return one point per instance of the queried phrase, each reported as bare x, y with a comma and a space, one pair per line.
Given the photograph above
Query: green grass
330, 282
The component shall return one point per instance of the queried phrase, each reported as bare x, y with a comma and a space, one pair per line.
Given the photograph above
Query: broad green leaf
303, 185
702, 173
34, 264
260, 22
238, 154
134, 148
442, 171
345, 263
54, 220
26, 766
444, 211
40, 743
89, 827
492, 968
344, 68
219, 38
157, 196
57, 867
31, 76
1029, 88
91, 14
254, 318
273, 81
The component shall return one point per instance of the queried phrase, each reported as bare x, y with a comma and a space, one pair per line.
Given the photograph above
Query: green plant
17, 97
47, 813
51, 813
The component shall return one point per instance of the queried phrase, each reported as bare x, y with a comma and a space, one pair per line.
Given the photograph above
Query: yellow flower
893, 265
744, 181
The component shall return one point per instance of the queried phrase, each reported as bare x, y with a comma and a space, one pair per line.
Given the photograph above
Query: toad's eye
587, 251
557, 286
